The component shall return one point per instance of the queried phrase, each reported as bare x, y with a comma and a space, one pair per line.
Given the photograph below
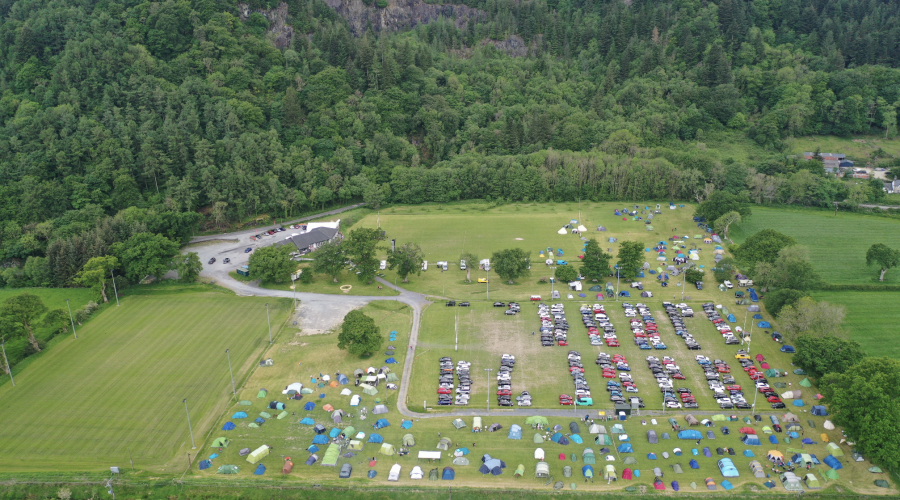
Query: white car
727, 284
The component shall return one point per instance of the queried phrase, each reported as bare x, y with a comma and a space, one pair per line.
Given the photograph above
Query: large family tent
652, 438
458, 423
542, 470
409, 440
834, 449
833, 463
819, 411
750, 440
587, 456
387, 449
331, 456
690, 434
515, 432
258, 454
227, 469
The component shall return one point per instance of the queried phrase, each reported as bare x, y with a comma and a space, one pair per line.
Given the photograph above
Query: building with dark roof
309, 241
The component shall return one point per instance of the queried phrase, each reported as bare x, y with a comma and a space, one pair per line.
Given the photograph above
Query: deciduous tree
359, 335
723, 223
762, 247
511, 264
188, 266
884, 257
777, 300
808, 317
361, 245
822, 355
720, 203
96, 273
631, 253
23, 311
272, 263
471, 261
595, 265
406, 259
146, 254
566, 273
330, 260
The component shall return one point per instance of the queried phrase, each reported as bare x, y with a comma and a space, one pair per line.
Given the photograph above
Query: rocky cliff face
399, 14
279, 32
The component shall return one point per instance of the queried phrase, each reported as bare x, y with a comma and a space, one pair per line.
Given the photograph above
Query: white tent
345, 392
575, 285
296, 386
828, 425
539, 454
354, 401
562, 230
582, 229
416, 473
394, 475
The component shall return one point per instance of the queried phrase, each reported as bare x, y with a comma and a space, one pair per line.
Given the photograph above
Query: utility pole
269, 321
71, 319
5, 360
683, 283
116, 291
194, 445
487, 277
552, 280
233, 389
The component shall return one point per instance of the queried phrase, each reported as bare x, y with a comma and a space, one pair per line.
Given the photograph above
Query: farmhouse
314, 236
892, 187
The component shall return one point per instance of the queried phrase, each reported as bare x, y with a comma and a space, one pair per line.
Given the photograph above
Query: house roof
314, 237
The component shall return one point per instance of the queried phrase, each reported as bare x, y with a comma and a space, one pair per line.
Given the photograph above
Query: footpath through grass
116, 392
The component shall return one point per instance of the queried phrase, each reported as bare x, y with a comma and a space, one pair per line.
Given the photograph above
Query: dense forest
119, 118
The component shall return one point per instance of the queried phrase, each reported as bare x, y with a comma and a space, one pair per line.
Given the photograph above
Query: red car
562, 342
723, 369
444, 390
612, 343
773, 399
765, 388
758, 375
678, 376
566, 400
619, 357
573, 369
609, 374
504, 392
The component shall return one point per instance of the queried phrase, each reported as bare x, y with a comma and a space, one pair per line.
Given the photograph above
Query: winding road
318, 312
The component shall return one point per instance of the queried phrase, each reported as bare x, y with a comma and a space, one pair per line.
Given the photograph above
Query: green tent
262, 393
780, 385
253, 425
630, 461
433, 474
392, 377
356, 445
603, 439
719, 418
331, 456
799, 371
408, 440
258, 454
537, 420
875, 469
306, 390
387, 449
265, 414
245, 403
282, 415
368, 389
812, 482
772, 372
221, 442
458, 423
227, 469
881, 483
834, 449
831, 474
538, 438
677, 469
806, 383
595, 288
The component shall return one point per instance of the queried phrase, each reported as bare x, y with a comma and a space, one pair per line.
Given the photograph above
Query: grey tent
753, 308
677, 469
337, 416
460, 461
652, 438
380, 409
630, 461
691, 420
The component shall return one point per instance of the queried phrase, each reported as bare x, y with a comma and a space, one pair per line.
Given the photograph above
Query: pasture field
858, 148
837, 244
445, 231
301, 357
870, 320
116, 392
55, 298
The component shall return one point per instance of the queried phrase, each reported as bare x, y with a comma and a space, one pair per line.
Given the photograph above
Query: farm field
117, 390
869, 321
445, 231
56, 297
837, 244
299, 358
857, 148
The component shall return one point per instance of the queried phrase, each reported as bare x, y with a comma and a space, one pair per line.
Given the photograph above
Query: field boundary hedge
858, 288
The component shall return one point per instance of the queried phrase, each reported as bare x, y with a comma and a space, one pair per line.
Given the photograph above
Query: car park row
625, 383
582, 389
595, 320
446, 386
665, 371
504, 381
554, 327
644, 329
676, 314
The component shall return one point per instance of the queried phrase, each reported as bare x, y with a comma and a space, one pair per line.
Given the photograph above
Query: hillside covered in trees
118, 118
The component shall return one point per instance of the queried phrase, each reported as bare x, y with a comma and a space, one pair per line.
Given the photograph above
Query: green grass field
445, 231
857, 148
837, 244
870, 319
56, 297
117, 390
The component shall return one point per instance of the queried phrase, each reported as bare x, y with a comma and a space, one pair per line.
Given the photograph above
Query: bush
694, 275
777, 300
306, 277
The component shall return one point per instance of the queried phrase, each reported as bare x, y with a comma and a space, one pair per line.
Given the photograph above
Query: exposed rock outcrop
279, 32
399, 14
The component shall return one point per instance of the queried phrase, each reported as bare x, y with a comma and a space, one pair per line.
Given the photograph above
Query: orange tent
328, 407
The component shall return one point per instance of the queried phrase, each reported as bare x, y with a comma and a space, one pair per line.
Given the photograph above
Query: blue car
645, 347
248, 250
788, 348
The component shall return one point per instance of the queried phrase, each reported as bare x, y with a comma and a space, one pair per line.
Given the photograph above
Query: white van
462, 265
425, 265
383, 265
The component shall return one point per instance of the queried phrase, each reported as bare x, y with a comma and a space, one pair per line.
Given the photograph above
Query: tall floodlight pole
488, 370
552, 280
233, 389
186, 412
617, 282
71, 319
487, 278
269, 321
8, 368
115, 290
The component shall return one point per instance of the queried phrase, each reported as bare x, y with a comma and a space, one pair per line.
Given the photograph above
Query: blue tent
391, 361
228, 426
239, 414
320, 439
689, 434
753, 296
556, 437
587, 471
576, 438
376, 438
407, 424
706, 452
205, 464
515, 432
342, 379
727, 485
773, 439
625, 448
463, 451
819, 411
798, 402
449, 474
372, 474
334, 433
312, 448
624, 293
382, 423
694, 452
757, 316
749, 453
750, 440
214, 455
731, 318
307, 421
833, 462
764, 324
260, 470
651, 456
260, 420
310, 406
694, 465
793, 435
807, 441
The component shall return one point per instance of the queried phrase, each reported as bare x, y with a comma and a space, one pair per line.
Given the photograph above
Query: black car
463, 304
451, 303
499, 304
742, 406
226, 261
212, 260
504, 402
445, 402
699, 285
777, 406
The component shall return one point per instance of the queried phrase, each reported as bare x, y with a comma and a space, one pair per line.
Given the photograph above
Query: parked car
699, 285
463, 304
788, 349
226, 260
727, 284
482, 280
499, 304
248, 250
212, 260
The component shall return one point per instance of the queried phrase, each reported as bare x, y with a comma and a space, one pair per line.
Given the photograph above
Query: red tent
747, 430
764, 365
659, 485
760, 357
626, 474
562, 456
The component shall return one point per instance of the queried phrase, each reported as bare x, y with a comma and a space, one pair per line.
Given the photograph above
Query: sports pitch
116, 392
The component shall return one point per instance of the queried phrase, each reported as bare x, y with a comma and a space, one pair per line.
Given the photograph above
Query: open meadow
837, 243
871, 319
116, 392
